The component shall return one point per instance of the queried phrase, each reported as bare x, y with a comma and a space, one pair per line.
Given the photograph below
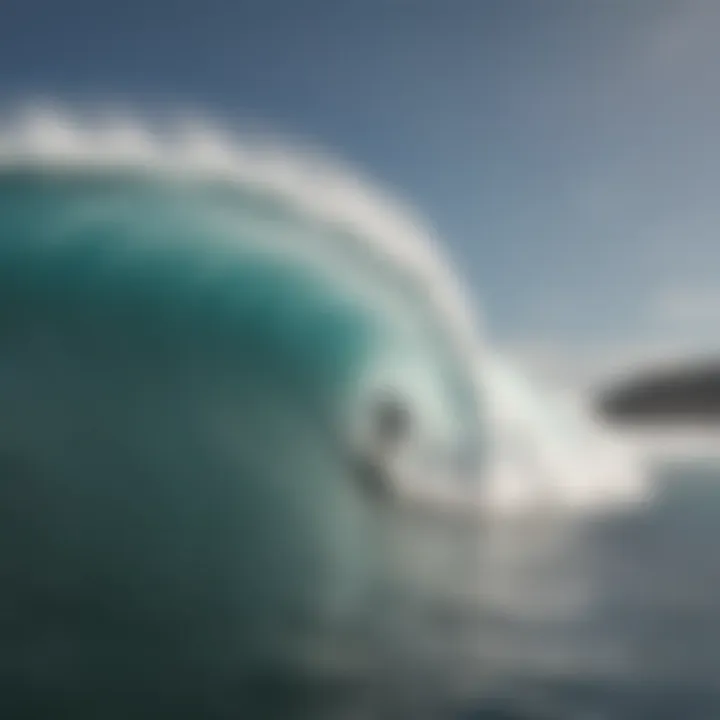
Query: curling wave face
289, 245
191, 342
195, 334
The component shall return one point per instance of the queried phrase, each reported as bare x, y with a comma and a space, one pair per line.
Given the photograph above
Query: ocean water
642, 640
195, 515
545, 617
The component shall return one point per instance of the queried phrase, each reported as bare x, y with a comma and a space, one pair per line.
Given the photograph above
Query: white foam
677, 443
48, 138
548, 452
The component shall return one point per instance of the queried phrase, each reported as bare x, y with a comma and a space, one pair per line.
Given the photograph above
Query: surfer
391, 427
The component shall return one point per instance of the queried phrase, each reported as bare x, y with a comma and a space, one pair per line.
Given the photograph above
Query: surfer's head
185, 348
393, 419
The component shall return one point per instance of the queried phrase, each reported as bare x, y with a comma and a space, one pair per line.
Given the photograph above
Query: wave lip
320, 188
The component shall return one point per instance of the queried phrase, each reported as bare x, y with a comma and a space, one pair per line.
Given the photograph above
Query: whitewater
202, 515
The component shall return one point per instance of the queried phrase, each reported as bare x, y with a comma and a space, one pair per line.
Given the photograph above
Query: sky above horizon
565, 151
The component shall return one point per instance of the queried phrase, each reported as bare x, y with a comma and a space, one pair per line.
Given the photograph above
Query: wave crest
571, 456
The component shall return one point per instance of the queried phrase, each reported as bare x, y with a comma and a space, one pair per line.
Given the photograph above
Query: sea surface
604, 618
646, 644
611, 618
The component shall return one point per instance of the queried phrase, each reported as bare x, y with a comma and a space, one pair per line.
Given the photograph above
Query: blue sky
567, 150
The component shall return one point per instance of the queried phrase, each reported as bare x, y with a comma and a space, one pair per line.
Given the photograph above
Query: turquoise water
185, 374
184, 367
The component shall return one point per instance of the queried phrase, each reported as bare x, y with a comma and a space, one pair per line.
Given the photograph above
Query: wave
190, 226
197, 334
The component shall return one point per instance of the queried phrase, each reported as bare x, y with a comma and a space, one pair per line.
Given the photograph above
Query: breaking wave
318, 281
